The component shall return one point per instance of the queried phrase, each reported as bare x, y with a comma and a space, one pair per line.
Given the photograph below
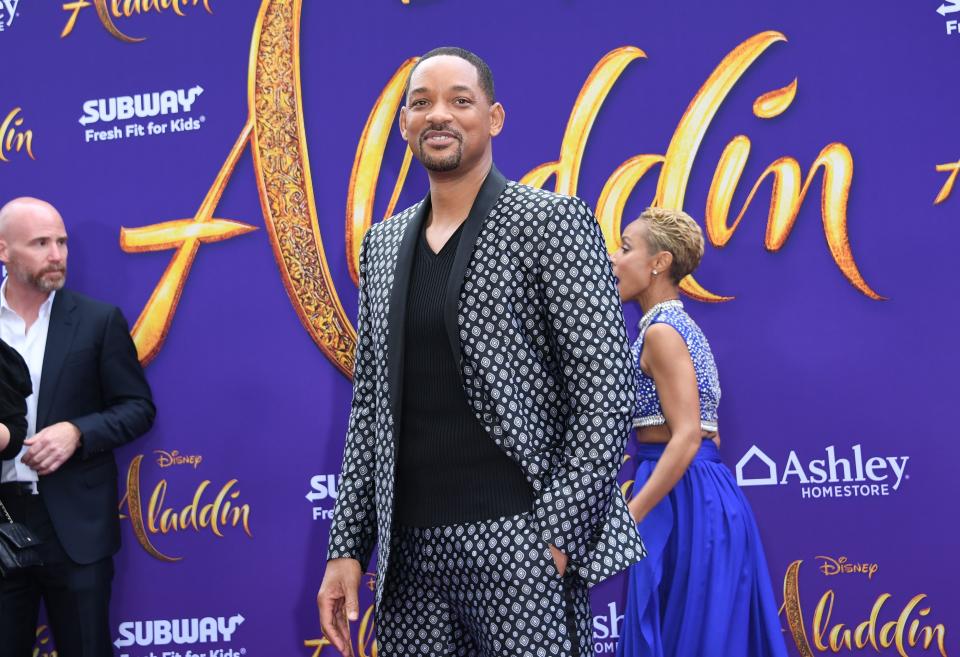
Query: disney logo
842, 565
166, 459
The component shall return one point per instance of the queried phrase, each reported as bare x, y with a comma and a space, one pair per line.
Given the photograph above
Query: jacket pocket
81, 357
96, 476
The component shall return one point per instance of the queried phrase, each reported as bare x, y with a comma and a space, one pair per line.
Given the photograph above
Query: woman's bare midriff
661, 434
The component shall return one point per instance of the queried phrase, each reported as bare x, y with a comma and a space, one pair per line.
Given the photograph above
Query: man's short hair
484, 75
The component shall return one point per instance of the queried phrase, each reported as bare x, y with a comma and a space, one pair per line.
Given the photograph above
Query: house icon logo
771, 469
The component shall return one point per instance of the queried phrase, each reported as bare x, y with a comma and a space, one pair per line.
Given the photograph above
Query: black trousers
481, 589
76, 597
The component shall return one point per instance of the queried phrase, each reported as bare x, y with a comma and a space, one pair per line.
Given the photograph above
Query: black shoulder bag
18, 546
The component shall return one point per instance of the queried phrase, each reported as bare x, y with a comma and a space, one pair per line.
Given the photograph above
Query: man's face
448, 120
34, 247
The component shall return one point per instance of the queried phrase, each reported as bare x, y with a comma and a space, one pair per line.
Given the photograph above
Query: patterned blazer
534, 319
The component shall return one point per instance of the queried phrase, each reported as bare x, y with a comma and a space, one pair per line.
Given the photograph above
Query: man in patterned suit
493, 390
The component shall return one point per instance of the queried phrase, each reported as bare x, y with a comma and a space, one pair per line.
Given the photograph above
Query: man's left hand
51, 447
559, 560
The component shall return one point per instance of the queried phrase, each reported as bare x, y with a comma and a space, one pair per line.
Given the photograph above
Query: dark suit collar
493, 185
63, 326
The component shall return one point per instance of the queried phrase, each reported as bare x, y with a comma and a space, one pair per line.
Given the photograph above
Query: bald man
89, 396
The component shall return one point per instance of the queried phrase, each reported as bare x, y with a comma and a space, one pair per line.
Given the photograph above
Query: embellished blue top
648, 412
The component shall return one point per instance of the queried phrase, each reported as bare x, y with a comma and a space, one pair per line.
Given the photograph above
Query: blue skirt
704, 589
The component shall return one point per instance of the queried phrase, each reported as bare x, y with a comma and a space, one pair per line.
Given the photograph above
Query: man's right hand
337, 600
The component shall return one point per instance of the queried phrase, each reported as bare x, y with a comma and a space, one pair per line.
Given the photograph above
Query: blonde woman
704, 589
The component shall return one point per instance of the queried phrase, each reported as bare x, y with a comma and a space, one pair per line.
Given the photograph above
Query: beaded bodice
648, 411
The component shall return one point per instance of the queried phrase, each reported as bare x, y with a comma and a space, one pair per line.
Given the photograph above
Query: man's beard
441, 164
37, 280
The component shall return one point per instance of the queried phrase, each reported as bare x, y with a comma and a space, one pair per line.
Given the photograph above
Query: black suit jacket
92, 378
535, 323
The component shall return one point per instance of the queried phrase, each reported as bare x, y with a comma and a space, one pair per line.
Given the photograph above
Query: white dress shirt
31, 345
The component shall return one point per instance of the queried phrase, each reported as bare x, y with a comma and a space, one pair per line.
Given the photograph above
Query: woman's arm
15, 387
667, 359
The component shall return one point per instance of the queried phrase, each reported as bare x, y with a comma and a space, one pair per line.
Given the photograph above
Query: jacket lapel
398, 307
490, 191
63, 326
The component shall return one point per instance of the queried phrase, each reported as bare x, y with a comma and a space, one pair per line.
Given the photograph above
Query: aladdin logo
830, 477
8, 11
181, 631
880, 627
323, 487
282, 172
141, 106
210, 509
13, 138
110, 10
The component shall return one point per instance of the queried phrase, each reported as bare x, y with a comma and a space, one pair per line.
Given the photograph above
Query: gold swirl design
185, 236
774, 103
953, 168
133, 499
791, 605
283, 178
592, 95
367, 165
275, 130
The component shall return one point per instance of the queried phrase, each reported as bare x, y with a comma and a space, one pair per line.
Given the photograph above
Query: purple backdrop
236, 480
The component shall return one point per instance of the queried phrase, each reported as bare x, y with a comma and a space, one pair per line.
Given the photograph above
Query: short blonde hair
676, 232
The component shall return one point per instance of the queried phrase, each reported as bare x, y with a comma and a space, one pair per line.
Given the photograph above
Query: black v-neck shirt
449, 470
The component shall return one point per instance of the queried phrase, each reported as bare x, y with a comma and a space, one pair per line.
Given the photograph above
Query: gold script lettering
160, 519
901, 633
13, 140
284, 181
186, 236
830, 566
789, 185
124, 9
166, 459
367, 164
953, 168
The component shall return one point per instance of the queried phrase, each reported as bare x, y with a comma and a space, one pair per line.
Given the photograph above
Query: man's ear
497, 117
403, 124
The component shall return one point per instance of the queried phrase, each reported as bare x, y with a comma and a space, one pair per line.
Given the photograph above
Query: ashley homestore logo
852, 475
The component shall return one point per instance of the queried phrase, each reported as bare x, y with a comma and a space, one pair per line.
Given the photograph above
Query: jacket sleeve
592, 356
353, 532
128, 410
15, 387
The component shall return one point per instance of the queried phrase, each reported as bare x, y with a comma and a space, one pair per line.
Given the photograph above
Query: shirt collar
45, 308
